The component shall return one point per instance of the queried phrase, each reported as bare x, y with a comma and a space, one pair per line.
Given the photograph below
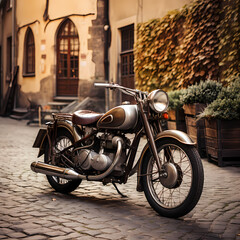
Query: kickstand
124, 196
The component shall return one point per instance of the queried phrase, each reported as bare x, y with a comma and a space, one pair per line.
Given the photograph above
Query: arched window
29, 55
67, 59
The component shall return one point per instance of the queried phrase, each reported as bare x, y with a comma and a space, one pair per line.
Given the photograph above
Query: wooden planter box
177, 120
223, 141
195, 129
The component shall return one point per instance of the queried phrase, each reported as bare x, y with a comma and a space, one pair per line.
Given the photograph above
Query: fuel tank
123, 117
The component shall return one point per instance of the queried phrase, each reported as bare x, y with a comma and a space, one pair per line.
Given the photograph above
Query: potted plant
222, 126
175, 111
195, 99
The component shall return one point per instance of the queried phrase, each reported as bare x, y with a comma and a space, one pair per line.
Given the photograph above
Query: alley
30, 209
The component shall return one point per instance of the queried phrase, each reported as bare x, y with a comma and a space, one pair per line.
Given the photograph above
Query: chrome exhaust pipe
70, 174
51, 170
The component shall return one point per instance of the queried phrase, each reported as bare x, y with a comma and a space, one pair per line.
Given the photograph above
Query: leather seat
85, 117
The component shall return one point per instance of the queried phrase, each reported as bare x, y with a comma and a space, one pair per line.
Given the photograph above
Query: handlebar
107, 85
128, 91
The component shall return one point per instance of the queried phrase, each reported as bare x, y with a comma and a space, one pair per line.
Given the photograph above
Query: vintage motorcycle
93, 146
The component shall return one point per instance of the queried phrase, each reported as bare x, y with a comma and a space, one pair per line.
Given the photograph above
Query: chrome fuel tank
123, 117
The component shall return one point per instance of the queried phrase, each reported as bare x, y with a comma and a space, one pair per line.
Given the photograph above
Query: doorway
67, 60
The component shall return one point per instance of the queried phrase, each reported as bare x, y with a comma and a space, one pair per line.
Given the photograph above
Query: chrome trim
176, 134
105, 117
151, 98
66, 173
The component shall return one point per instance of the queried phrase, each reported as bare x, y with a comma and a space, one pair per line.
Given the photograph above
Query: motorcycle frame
142, 129
129, 170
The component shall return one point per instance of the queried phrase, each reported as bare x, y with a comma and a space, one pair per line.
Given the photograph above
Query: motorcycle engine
88, 159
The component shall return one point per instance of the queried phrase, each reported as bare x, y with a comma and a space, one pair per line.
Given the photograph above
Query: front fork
151, 141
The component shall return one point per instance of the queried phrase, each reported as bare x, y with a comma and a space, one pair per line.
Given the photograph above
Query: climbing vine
198, 42
229, 34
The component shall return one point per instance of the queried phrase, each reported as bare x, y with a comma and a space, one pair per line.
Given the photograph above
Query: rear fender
67, 125
41, 140
175, 134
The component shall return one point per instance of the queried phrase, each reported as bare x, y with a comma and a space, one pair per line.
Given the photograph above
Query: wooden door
67, 60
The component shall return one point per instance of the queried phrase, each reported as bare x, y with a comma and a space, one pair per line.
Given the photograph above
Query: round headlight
158, 100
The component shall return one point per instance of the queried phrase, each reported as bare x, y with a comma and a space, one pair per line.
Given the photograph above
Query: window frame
29, 65
68, 59
9, 59
127, 74
127, 43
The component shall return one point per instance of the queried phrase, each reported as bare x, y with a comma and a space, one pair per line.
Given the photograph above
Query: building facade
124, 16
58, 47
63, 47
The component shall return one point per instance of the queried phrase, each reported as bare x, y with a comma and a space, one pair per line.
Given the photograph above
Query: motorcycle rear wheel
63, 140
176, 194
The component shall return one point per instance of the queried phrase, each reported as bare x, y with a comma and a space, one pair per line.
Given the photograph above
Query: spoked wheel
63, 140
176, 191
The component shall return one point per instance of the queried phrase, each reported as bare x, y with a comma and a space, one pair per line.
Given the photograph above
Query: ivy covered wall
198, 42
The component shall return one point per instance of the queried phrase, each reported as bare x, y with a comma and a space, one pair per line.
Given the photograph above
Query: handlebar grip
102, 85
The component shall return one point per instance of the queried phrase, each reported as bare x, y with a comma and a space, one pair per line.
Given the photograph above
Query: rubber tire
72, 184
197, 182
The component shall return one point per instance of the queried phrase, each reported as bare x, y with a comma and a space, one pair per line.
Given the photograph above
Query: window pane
127, 57
30, 52
68, 51
9, 57
127, 38
127, 60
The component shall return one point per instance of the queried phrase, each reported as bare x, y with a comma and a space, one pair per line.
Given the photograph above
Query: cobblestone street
30, 209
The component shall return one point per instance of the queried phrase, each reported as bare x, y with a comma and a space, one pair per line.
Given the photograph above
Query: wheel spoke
170, 197
61, 143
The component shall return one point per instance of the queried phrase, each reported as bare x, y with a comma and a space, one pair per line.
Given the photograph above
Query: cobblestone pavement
30, 209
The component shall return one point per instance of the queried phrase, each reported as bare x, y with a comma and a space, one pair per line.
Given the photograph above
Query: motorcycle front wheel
63, 140
177, 190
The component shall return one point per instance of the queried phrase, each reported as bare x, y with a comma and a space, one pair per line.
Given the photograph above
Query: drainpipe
13, 35
1, 62
106, 47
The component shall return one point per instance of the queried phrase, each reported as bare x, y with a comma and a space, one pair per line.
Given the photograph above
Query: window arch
67, 59
29, 55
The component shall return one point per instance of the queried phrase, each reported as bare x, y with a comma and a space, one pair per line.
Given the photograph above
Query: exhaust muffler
51, 170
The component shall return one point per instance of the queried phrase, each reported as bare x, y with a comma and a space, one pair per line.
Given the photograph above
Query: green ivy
229, 34
199, 41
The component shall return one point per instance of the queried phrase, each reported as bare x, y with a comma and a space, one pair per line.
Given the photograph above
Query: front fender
175, 134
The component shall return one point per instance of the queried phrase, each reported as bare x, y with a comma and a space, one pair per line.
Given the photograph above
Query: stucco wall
42, 87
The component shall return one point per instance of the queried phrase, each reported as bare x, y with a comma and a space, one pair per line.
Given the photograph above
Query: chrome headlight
158, 100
